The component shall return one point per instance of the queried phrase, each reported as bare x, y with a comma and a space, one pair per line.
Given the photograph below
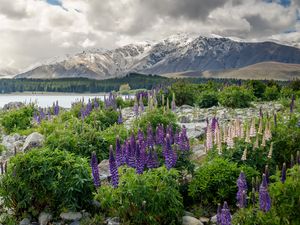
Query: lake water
46, 100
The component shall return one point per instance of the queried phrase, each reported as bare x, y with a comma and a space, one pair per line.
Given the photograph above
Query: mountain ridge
177, 53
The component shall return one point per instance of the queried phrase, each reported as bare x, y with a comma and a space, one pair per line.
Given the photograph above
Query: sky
33, 31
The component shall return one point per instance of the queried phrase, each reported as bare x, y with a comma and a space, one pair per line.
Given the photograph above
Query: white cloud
33, 30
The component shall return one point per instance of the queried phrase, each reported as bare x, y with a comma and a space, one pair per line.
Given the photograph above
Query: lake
44, 100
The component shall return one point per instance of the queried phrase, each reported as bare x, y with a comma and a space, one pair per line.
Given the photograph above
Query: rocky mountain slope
177, 53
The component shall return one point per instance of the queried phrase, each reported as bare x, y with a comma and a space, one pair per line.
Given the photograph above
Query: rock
194, 130
32, 141
198, 152
104, 169
71, 216
45, 218
10, 143
187, 213
25, 221
113, 221
75, 223
189, 220
204, 220
184, 119
13, 105
213, 219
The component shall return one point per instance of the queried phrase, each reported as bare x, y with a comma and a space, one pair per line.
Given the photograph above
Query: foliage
236, 97
110, 134
286, 196
18, 119
121, 103
258, 88
207, 99
215, 181
43, 179
102, 119
185, 92
156, 117
149, 198
271, 93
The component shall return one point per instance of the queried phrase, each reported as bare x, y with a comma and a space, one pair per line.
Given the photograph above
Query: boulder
13, 105
189, 220
71, 216
25, 221
104, 172
113, 221
32, 141
45, 218
213, 219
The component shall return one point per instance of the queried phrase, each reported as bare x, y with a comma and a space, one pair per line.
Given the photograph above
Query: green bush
102, 119
156, 117
78, 138
258, 87
271, 93
18, 119
286, 196
215, 181
207, 99
43, 179
236, 97
185, 93
109, 135
150, 198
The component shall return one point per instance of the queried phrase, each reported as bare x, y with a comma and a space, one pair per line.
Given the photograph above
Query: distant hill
258, 71
178, 53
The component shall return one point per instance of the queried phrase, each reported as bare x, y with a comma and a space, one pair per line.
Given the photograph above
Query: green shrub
286, 196
102, 119
271, 93
215, 181
19, 119
207, 99
149, 198
78, 138
109, 135
121, 103
156, 117
185, 93
43, 179
258, 88
236, 97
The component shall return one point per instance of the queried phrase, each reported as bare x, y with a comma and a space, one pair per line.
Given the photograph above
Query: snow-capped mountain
177, 53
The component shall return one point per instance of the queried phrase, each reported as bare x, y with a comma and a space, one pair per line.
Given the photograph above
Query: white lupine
209, 143
260, 128
244, 156
230, 143
252, 129
270, 151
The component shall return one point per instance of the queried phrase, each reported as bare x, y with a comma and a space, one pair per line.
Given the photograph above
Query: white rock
25, 221
32, 141
189, 220
71, 216
213, 219
104, 172
45, 218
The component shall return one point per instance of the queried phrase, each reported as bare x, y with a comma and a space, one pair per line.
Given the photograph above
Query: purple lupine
160, 134
292, 105
150, 138
95, 170
113, 168
283, 173
242, 190
56, 109
168, 153
120, 118
169, 131
96, 104
131, 152
264, 197
225, 215
219, 213
152, 160
119, 155
140, 163
214, 122
184, 143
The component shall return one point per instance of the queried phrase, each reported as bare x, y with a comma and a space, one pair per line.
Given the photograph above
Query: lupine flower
168, 153
270, 151
225, 215
120, 118
263, 141
230, 143
173, 103
283, 173
244, 156
96, 104
152, 160
292, 160
247, 139
219, 213
260, 127
264, 197
95, 170
169, 131
214, 123
160, 134
150, 138
242, 191
113, 169
256, 143
252, 129
140, 163
292, 105
184, 143
209, 144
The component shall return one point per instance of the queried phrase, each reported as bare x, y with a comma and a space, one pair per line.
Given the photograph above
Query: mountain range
175, 54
